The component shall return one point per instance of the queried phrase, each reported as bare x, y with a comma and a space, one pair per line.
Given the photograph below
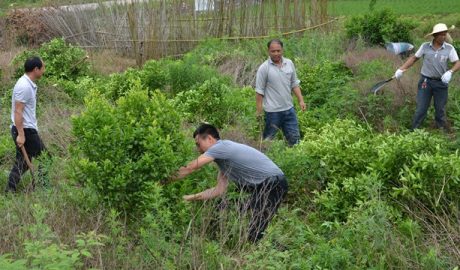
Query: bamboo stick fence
150, 29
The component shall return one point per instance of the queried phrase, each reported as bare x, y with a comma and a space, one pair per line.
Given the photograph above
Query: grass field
412, 7
5, 5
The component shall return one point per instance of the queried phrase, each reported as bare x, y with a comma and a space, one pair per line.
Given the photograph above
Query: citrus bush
119, 84
326, 90
184, 76
379, 27
155, 75
345, 164
320, 83
78, 88
62, 60
125, 150
204, 103
171, 77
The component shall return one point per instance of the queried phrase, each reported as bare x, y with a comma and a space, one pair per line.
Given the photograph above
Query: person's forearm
191, 167
19, 122
409, 63
456, 67
298, 94
259, 100
206, 194
183, 172
221, 188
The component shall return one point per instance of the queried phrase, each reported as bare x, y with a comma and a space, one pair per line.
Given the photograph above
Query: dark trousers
264, 202
34, 147
428, 88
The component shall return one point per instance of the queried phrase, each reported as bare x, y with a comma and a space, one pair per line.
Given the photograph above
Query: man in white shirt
24, 128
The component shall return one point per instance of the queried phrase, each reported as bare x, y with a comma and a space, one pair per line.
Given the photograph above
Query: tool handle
30, 165
26, 158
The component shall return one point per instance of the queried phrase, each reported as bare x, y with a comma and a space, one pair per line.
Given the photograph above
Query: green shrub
119, 84
42, 249
345, 164
62, 60
379, 27
204, 103
396, 151
343, 147
385, 174
327, 93
433, 179
124, 150
456, 44
155, 74
241, 110
336, 151
184, 76
322, 82
172, 77
81, 86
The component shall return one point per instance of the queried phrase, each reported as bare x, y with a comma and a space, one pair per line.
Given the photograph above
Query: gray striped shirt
241, 163
435, 61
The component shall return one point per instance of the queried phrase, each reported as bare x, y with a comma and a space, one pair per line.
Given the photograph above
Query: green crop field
410, 7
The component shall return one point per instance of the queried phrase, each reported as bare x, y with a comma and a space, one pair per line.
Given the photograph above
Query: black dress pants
34, 147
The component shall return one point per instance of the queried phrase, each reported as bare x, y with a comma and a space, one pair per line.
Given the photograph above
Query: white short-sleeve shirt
25, 91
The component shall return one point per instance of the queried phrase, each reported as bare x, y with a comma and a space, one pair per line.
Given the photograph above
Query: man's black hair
32, 63
275, 40
206, 129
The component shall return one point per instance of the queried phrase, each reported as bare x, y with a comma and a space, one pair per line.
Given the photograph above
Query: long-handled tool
261, 130
380, 85
30, 165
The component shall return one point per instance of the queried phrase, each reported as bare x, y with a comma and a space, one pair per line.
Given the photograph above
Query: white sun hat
440, 27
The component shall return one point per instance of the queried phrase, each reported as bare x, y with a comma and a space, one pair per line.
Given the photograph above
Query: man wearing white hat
435, 76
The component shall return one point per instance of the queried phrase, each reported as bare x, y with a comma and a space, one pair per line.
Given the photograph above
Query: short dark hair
205, 129
32, 63
275, 40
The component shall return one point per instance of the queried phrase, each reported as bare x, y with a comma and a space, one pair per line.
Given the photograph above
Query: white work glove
398, 73
446, 77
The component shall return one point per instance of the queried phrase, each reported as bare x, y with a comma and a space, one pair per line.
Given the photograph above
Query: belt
433, 79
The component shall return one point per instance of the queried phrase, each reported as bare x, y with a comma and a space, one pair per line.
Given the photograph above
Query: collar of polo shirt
443, 46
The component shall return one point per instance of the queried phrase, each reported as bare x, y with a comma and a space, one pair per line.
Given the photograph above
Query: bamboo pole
169, 27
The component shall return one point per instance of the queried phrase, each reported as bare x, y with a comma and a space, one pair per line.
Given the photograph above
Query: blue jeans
428, 88
284, 120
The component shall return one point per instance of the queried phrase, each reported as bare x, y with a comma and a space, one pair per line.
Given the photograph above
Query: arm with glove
453, 57
400, 71
447, 76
